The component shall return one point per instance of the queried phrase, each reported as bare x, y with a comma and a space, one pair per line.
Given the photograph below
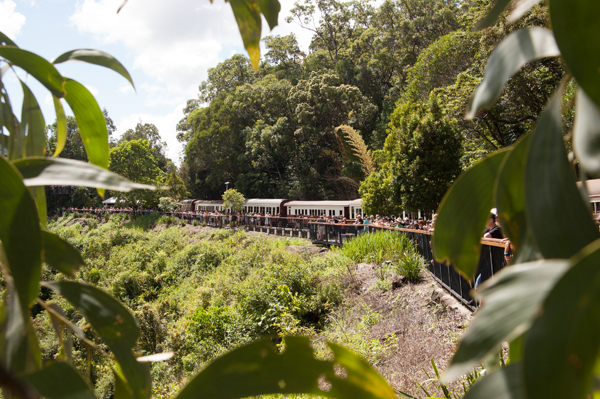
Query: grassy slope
199, 292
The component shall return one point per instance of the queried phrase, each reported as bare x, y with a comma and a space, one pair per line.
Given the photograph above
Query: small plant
203, 224
195, 223
410, 265
233, 224
182, 223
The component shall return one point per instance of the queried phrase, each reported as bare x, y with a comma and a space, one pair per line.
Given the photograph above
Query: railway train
283, 207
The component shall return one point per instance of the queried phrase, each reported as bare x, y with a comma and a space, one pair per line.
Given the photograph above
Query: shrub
195, 223
377, 247
410, 265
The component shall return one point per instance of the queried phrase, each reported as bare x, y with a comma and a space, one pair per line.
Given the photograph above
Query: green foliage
543, 308
423, 154
234, 200
410, 265
377, 247
168, 204
135, 161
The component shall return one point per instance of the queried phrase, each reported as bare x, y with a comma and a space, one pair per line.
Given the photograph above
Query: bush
377, 247
195, 223
410, 265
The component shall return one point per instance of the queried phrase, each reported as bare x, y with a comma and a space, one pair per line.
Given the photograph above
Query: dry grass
410, 329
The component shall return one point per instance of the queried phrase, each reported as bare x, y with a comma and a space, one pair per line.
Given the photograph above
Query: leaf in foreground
504, 383
562, 346
38, 171
256, 369
512, 54
509, 303
463, 213
551, 195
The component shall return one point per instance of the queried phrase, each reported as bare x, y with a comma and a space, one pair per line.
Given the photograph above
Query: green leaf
575, 25
552, 198
61, 126
11, 123
39, 194
586, 133
20, 233
95, 57
520, 9
270, 9
511, 55
61, 255
504, 383
493, 15
20, 351
33, 126
5, 40
117, 327
90, 120
510, 302
462, 215
256, 369
563, 343
510, 201
60, 380
247, 16
69, 172
36, 66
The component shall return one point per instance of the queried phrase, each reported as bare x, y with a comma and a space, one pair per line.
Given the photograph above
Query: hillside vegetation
199, 292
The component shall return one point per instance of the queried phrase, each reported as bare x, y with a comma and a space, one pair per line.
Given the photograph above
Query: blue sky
167, 46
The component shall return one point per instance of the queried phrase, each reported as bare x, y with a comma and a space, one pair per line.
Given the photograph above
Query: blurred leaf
586, 133
512, 54
60, 380
121, 6
39, 194
270, 9
520, 9
510, 302
5, 40
552, 199
67, 345
462, 215
20, 350
510, 193
256, 369
493, 15
121, 389
61, 126
575, 25
33, 126
505, 383
61, 255
69, 172
36, 66
247, 15
95, 57
20, 233
90, 121
515, 349
117, 327
563, 343
11, 123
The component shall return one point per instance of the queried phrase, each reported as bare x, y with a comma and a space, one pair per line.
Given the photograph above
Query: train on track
283, 207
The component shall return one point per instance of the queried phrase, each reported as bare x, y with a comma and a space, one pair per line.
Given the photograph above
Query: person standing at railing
366, 223
492, 230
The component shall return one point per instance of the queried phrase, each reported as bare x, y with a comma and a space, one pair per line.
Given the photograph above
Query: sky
167, 47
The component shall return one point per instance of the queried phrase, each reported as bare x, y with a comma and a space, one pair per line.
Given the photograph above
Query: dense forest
399, 74
374, 110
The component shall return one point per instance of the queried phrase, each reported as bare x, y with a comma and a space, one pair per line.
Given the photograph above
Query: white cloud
92, 90
173, 43
166, 125
10, 20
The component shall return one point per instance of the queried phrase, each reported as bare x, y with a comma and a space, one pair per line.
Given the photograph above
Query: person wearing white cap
492, 230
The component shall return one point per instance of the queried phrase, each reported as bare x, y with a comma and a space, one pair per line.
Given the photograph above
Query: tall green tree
135, 160
234, 200
150, 133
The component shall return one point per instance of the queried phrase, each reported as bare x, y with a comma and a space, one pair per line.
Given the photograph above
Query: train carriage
318, 208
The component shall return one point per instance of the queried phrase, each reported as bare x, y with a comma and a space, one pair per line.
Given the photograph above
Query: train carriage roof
264, 202
318, 203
